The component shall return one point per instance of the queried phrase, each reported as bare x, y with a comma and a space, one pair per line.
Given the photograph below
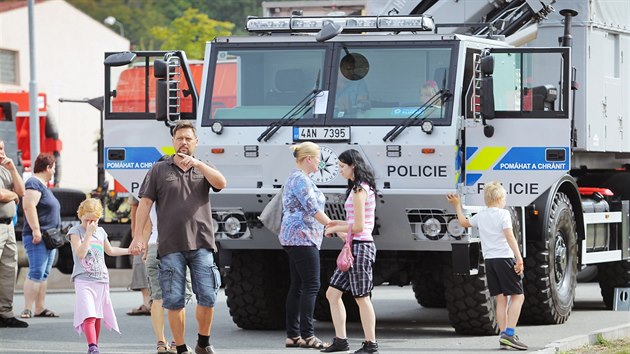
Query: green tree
137, 16
230, 10
140, 16
190, 33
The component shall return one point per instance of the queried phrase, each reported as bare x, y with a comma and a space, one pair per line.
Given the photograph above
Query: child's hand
453, 199
91, 227
519, 267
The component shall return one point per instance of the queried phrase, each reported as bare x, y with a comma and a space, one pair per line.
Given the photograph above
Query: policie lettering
515, 188
417, 171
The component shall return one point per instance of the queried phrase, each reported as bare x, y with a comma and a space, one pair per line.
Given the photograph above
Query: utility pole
32, 87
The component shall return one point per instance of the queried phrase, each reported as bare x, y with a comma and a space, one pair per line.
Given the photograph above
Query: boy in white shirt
502, 258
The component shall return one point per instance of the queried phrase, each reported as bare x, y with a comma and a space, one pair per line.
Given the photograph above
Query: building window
8, 67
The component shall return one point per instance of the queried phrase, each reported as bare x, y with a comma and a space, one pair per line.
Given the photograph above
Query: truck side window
527, 82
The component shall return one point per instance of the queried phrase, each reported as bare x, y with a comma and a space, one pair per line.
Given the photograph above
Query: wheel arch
536, 226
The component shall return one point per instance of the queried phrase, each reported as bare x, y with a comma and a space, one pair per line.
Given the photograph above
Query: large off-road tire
428, 281
256, 289
471, 309
322, 306
551, 268
515, 216
428, 288
613, 275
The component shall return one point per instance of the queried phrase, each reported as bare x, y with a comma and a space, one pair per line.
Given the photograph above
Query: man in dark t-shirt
180, 185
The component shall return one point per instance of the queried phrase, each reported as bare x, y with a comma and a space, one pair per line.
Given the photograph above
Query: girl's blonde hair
493, 192
90, 206
305, 149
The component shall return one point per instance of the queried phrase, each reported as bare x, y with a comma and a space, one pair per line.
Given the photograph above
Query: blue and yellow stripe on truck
137, 157
518, 158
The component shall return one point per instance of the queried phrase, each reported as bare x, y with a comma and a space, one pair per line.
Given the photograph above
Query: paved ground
403, 327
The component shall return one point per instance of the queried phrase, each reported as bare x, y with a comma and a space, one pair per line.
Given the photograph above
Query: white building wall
69, 51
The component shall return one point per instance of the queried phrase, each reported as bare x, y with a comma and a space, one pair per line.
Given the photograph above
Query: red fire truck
19, 112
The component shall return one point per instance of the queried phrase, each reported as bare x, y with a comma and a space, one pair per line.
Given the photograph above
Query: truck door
135, 136
523, 138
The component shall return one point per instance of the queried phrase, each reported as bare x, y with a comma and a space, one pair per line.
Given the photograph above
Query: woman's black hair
362, 172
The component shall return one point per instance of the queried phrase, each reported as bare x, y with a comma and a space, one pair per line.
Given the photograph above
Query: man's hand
188, 161
137, 246
145, 253
7, 163
16, 198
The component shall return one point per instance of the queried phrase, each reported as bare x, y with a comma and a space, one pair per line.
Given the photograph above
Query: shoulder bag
53, 238
271, 216
345, 258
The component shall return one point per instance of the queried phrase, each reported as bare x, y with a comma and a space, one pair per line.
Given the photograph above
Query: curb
610, 333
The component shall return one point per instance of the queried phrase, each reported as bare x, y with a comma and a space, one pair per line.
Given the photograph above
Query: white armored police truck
435, 104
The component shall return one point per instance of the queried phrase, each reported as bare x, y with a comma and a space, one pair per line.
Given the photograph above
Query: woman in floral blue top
301, 236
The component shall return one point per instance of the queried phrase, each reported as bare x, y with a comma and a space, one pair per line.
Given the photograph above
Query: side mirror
160, 69
487, 97
486, 86
486, 65
164, 100
120, 59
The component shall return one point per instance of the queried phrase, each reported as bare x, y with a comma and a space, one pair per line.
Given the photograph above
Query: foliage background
173, 24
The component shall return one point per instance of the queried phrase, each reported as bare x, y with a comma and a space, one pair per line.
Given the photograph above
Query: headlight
433, 227
234, 226
455, 229
215, 226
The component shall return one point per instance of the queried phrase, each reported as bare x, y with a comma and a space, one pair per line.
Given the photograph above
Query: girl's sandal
294, 342
26, 314
314, 342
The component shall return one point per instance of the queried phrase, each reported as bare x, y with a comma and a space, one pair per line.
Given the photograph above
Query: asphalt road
402, 327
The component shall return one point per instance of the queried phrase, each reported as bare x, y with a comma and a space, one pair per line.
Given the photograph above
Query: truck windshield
264, 84
390, 82
361, 83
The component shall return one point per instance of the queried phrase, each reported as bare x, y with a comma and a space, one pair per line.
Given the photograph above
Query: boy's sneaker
338, 345
512, 342
368, 347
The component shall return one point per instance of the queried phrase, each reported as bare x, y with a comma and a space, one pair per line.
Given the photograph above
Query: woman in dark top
41, 212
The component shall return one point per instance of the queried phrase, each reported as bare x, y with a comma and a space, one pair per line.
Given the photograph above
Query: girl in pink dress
90, 276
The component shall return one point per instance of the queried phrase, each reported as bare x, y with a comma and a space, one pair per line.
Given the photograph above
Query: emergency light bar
354, 24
